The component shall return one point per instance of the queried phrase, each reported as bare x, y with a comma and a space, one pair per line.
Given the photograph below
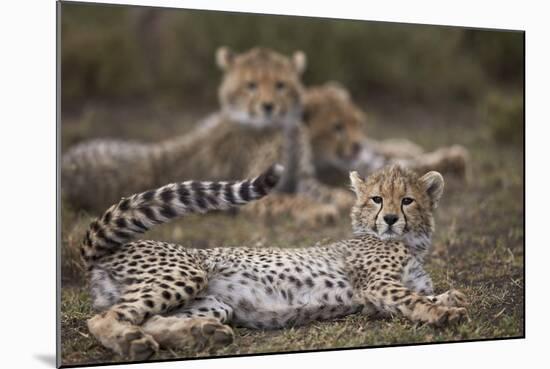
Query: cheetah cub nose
390, 219
268, 107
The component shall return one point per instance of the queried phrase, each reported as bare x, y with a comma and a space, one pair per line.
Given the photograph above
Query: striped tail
136, 214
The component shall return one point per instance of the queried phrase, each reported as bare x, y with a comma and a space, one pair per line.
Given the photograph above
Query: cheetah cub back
393, 215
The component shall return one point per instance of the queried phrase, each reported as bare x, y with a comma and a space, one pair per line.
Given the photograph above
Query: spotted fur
152, 293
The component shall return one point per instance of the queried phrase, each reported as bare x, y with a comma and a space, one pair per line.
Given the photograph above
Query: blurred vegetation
504, 114
129, 53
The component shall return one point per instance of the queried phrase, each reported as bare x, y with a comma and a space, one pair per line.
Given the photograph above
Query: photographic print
241, 184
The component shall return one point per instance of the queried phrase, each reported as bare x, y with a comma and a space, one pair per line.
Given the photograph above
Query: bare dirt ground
478, 246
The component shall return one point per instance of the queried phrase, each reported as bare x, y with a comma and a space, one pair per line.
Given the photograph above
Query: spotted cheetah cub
393, 218
152, 294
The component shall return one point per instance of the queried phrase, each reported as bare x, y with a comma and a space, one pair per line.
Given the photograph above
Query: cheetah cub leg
198, 325
418, 280
303, 209
393, 297
119, 328
451, 160
340, 198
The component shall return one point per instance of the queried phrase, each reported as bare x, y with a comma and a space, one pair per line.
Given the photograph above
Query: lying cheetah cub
152, 293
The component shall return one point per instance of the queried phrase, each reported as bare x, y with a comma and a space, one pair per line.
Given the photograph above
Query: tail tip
277, 169
271, 176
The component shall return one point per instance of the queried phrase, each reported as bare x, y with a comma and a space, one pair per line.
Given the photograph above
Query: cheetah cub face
395, 203
335, 126
261, 87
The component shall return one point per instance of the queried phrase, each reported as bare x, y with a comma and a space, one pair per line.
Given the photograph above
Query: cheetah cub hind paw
191, 333
141, 346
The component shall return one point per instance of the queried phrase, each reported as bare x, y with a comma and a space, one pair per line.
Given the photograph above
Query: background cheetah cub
153, 293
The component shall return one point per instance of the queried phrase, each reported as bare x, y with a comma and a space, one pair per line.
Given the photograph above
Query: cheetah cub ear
338, 90
224, 57
358, 185
433, 183
299, 60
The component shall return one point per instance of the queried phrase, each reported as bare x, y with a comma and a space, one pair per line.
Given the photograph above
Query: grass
478, 248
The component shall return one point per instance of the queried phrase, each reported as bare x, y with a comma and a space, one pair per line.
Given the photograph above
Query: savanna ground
478, 244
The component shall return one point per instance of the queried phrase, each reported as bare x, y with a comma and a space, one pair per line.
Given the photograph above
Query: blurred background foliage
111, 52
141, 57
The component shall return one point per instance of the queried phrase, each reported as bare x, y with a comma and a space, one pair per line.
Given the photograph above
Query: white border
27, 61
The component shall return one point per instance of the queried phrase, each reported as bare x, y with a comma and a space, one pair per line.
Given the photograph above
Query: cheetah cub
150, 294
393, 219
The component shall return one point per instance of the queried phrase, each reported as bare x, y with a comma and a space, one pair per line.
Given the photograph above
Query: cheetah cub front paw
447, 315
210, 333
456, 298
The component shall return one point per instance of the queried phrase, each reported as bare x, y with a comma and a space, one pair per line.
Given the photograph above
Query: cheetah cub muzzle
152, 294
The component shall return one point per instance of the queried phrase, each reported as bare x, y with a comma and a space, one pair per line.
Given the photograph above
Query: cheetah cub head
395, 203
260, 87
335, 126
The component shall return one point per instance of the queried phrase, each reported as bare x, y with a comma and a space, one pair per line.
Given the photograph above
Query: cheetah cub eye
407, 201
